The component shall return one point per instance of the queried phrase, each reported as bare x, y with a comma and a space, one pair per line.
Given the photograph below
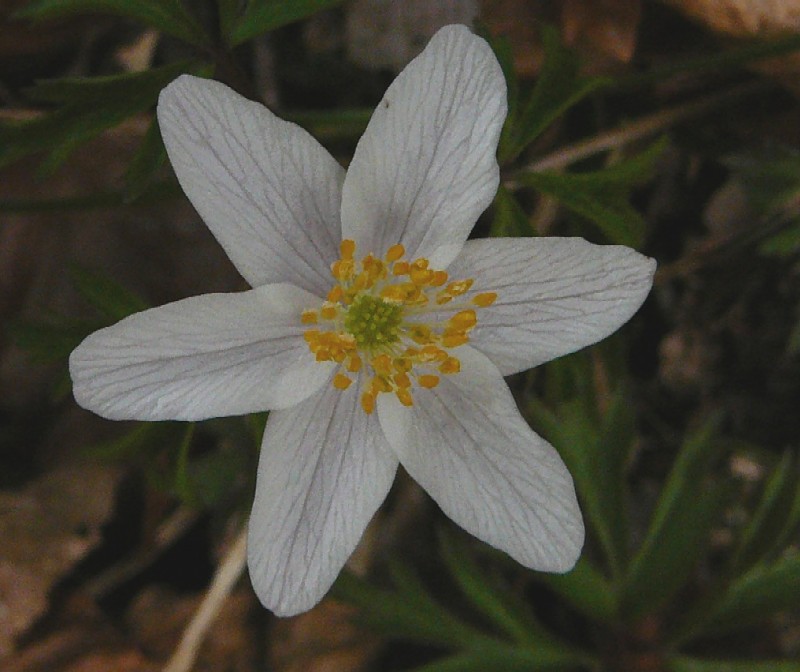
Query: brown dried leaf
321, 640
744, 18
158, 617
753, 19
46, 529
608, 28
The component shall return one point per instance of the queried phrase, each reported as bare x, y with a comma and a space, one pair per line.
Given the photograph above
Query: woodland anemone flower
375, 332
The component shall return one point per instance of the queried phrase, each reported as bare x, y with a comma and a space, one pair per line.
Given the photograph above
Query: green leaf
498, 656
168, 16
501, 46
407, 612
229, 13
603, 196
142, 445
260, 17
148, 159
47, 343
502, 608
88, 107
587, 590
785, 242
107, 295
764, 590
679, 530
595, 451
559, 87
510, 219
771, 177
684, 664
764, 530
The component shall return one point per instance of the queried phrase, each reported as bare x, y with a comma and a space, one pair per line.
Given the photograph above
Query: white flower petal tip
425, 167
269, 192
202, 357
554, 295
324, 470
466, 444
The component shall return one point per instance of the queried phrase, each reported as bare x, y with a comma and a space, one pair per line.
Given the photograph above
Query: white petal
425, 168
202, 357
267, 190
554, 295
325, 468
467, 445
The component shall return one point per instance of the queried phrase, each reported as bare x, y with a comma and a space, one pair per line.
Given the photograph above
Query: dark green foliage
169, 16
261, 17
559, 86
86, 107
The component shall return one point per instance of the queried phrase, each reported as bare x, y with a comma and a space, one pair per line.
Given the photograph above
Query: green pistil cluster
373, 322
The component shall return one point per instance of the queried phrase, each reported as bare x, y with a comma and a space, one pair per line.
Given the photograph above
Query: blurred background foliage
669, 134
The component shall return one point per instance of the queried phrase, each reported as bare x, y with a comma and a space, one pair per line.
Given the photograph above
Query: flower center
373, 322
396, 319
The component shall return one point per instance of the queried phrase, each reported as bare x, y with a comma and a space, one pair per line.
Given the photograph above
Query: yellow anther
342, 269
396, 293
403, 364
401, 268
347, 248
459, 286
382, 364
455, 339
394, 253
450, 365
438, 278
420, 264
341, 382
485, 299
368, 402
443, 297
464, 319
420, 333
311, 336
401, 379
336, 294
428, 381
354, 363
404, 396
328, 311
308, 317
421, 276
432, 353
379, 385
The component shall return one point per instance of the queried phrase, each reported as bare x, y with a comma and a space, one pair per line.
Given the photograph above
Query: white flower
368, 361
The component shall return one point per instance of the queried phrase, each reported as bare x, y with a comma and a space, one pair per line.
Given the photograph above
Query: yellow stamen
464, 319
375, 319
428, 381
347, 248
404, 396
401, 268
394, 253
328, 311
450, 365
336, 294
459, 287
485, 299
368, 402
341, 382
